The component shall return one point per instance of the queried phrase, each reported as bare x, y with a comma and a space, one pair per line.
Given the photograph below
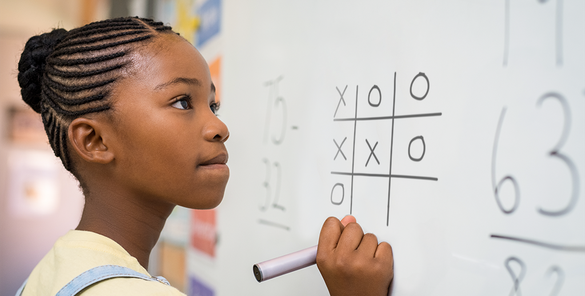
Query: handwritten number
555, 152
517, 278
277, 191
278, 100
278, 140
276, 112
560, 278
266, 185
498, 186
267, 181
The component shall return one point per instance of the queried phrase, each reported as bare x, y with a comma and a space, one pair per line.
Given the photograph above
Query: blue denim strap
98, 274
19, 292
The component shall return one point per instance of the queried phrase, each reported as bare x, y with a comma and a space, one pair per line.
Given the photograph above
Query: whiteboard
454, 130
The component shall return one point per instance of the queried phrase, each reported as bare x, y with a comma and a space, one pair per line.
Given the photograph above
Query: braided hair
66, 74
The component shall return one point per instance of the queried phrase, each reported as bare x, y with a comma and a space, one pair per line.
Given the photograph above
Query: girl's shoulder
80, 251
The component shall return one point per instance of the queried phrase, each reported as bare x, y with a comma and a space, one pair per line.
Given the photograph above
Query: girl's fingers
384, 252
368, 245
330, 233
351, 237
348, 219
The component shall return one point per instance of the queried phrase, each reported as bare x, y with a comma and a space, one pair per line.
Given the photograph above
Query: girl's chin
206, 202
216, 175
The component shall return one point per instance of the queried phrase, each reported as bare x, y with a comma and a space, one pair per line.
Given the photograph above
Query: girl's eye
183, 104
214, 107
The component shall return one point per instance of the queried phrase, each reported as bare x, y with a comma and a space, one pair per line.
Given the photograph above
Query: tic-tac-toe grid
374, 100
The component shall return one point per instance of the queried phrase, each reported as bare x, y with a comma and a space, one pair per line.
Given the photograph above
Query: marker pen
285, 264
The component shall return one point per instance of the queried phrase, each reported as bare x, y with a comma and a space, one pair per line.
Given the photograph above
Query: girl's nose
216, 131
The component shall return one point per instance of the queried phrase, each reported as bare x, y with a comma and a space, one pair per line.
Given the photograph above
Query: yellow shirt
78, 251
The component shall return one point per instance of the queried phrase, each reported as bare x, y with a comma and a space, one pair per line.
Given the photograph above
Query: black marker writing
556, 153
341, 100
372, 152
497, 186
274, 130
339, 149
516, 278
560, 278
543, 244
375, 99
275, 103
424, 148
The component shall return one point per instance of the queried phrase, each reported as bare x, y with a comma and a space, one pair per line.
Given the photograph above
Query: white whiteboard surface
419, 166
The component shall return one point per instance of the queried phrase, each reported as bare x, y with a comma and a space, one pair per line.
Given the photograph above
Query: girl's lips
220, 159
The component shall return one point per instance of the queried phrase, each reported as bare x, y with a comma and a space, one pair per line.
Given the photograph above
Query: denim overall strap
19, 292
100, 273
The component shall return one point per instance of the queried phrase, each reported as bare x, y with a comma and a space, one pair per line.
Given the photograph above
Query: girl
129, 108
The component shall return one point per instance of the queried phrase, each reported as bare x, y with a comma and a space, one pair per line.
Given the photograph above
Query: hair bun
32, 65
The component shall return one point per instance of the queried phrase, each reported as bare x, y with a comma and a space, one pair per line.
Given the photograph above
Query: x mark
340, 99
339, 149
372, 152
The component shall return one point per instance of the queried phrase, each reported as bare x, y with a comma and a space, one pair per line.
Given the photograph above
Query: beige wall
24, 239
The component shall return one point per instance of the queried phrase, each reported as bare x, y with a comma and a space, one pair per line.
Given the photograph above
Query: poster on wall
210, 15
181, 15
198, 21
173, 248
203, 251
215, 72
26, 127
199, 287
33, 185
204, 231
176, 230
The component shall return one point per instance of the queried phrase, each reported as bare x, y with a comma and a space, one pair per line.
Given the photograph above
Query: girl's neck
130, 221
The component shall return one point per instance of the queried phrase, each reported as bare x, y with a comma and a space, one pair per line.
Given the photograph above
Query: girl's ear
85, 135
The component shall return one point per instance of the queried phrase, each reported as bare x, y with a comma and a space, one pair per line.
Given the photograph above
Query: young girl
129, 108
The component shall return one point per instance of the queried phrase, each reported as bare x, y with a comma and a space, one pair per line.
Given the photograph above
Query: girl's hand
352, 263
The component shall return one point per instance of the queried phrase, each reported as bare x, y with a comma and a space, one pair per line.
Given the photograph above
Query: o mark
423, 75
424, 148
379, 96
342, 194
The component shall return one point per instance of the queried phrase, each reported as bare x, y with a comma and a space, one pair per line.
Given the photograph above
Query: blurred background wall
39, 200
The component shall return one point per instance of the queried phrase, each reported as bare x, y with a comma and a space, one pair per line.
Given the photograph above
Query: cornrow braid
78, 41
103, 30
77, 88
64, 75
93, 48
102, 24
74, 62
94, 72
